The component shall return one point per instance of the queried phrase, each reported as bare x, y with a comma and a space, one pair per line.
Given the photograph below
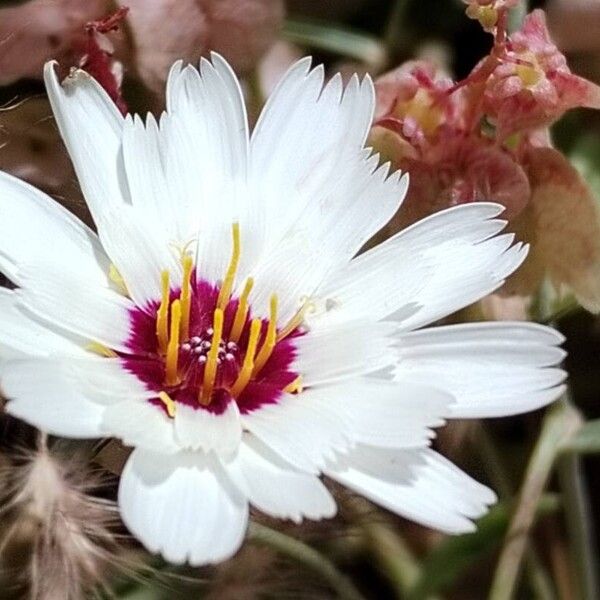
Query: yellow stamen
294, 386
270, 337
248, 366
225, 291
210, 370
117, 279
185, 297
168, 402
172, 377
101, 349
295, 321
162, 316
242, 312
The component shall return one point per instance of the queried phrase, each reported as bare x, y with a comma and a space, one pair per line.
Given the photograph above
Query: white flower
220, 325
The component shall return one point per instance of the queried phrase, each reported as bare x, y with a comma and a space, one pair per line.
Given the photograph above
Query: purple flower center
248, 362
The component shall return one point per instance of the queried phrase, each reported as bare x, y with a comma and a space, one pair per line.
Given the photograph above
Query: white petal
210, 101
145, 165
335, 224
22, 333
454, 260
40, 394
491, 369
182, 506
277, 489
102, 380
140, 424
91, 127
387, 414
420, 485
344, 351
324, 195
308, 157
303, 429
36, 230
96, 313
205, 140
139, 252
199, 429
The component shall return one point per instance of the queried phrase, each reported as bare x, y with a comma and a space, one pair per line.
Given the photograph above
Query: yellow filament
242, 312
168, 402
117, 279
162, 317
248, 366
210, 370
185, 297
294, 386
101, 349
270, 337
295, 321
225, 291
172, 377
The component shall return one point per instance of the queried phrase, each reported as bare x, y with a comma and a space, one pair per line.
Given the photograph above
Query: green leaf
587, 439
337, 40
454, 555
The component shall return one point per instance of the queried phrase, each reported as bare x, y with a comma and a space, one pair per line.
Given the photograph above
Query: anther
245, 373
117, 279
242, 312
101, 349
294, 387
185, 297
168, 402
270, 337
162, 316
296, 320
227, 286
172, 377
210, 371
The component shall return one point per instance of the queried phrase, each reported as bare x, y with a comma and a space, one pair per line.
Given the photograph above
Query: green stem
492, 458
560, 423
389, 552
584, 555
392, 557
307, 556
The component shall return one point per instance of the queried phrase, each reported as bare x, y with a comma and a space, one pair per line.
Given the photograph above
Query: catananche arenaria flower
220, 325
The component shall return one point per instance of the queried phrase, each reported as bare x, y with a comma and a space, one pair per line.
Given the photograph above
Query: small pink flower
159, 32
413, 101
487, 11
533, 86
460, 170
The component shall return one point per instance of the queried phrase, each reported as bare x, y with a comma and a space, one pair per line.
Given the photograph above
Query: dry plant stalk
61, 534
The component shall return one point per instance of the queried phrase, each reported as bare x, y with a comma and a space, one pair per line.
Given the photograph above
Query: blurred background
546, 468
